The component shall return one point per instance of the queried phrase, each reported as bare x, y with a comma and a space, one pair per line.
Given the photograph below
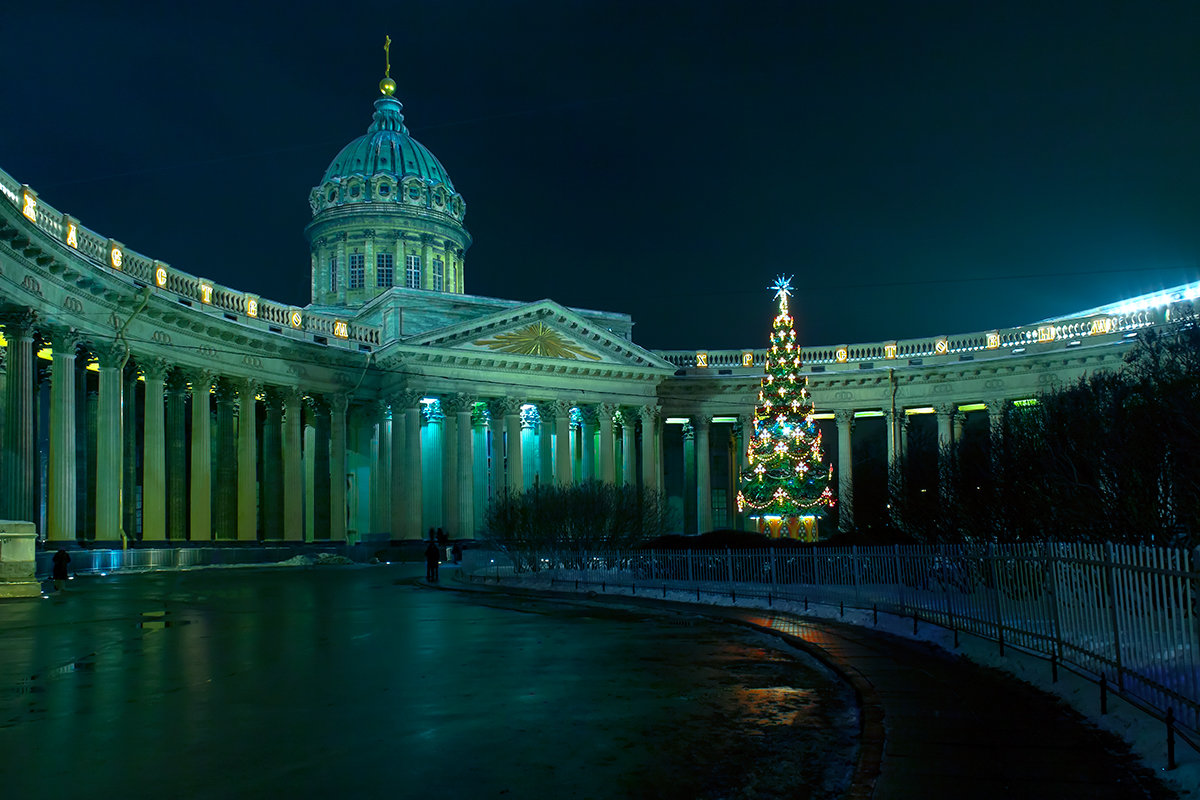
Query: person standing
61, 559
432, 557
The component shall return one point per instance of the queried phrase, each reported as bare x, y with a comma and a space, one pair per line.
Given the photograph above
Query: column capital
606, 411
562, 408
501, 407
946, 409
273, 397
18, 322
251, 386
547, 412
200, 379
649, 413
459, 402
176, 381
110, 354
63, 339
843, 416
226, 390
998, 406
155, 369
405, 399
588, 414
338, 402
699, 421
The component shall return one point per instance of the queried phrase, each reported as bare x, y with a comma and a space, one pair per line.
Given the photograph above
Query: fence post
771, 551
854, 568
689, 565
995, 576
1052, 565
1111, 584
899, 578
729, 564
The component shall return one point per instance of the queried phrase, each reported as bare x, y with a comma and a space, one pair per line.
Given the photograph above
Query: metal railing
1126, 616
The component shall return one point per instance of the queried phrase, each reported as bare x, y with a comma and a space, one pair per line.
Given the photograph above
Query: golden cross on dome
387, 55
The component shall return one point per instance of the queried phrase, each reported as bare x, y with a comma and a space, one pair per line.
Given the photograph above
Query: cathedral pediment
542, 331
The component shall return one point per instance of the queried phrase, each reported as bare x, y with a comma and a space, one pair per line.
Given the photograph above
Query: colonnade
196, 455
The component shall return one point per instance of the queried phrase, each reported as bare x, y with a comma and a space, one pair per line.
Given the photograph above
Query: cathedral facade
142, 403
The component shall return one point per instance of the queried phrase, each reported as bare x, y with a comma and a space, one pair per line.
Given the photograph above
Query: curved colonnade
148, 403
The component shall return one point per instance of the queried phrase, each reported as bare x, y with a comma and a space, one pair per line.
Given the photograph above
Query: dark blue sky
921, 168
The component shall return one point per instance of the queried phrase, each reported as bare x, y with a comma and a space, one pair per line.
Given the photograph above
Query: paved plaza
361, 682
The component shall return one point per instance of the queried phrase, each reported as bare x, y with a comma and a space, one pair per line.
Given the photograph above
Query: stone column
61, 499
704, 521
628, 447
845, 424
226, 492
177, 485
892, 420
18, 463
381, 471
247, 469
338, 404
945, 419
449, 466
129, 447
293, 465
497, 410
108, 445
272, 466
587, 434
995, 409
201, 489
548, 414
406, 503
154, 449
461, 405
650, 465
516, 456
562, 443
608, 460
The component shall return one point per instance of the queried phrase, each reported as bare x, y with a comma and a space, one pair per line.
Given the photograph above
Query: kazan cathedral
145, 404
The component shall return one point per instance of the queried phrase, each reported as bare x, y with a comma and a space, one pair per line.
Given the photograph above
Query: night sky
921, 168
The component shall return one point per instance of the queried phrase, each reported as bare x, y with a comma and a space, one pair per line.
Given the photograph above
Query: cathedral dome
386, 148
387, 165
385, 216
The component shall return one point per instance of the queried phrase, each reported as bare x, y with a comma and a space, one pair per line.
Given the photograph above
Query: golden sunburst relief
538, 339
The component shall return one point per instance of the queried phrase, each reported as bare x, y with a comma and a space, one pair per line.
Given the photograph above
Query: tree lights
787, 479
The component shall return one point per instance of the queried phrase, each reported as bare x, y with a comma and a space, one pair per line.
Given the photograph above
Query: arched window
412, 272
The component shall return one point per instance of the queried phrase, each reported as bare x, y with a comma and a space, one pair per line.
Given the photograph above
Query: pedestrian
432, 557
442, 538
456, 551
61, 559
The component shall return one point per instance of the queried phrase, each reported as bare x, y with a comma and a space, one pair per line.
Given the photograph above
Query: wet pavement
935, 725
360, 682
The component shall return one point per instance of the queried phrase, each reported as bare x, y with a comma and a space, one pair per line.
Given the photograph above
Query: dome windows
384, 190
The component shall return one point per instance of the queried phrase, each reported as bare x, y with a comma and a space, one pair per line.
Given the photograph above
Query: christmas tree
786, 486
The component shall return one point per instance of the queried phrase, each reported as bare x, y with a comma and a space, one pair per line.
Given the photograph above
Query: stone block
18, 548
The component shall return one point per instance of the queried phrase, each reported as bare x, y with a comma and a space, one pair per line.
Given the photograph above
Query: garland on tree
787, 476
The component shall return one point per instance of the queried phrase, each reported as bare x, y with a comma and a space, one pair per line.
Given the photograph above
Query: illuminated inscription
1102, 325
341, 330
889, 350
941, 347
72, 236
747, 359
116, 257
841, 355
701, 359
993, 340
251, 306
206, 292
29, 209
160, 278
1046, 333
296, 319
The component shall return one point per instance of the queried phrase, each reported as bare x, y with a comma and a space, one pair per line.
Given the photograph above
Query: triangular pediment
544, 331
